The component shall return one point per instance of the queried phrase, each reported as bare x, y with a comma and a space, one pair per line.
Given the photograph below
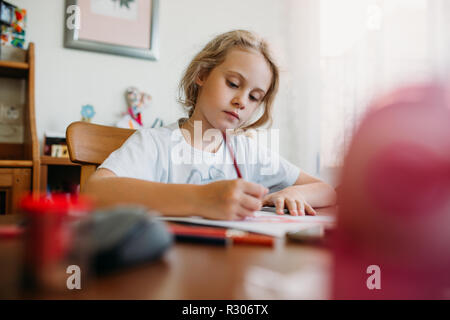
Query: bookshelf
11, 69
20, 162
59, 175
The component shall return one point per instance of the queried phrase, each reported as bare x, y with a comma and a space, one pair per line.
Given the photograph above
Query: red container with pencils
50, 241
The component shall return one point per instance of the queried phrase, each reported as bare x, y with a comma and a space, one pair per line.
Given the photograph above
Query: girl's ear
199, 81
201, 78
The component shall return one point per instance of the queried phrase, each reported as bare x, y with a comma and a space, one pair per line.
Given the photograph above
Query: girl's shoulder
262, 143
161, 133
249, 138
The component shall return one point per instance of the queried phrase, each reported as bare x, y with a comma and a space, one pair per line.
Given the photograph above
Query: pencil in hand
227, 145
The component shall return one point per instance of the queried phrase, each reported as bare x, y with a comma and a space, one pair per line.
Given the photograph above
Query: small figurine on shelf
136, 102
87, 113
13, 22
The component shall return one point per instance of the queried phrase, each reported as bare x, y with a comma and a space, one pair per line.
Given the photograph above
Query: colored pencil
200, 233
227, 145
10, 231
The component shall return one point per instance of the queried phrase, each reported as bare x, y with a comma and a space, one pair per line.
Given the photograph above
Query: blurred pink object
394, 203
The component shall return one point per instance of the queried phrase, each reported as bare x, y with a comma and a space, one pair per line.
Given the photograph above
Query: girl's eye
231, 84
253, 98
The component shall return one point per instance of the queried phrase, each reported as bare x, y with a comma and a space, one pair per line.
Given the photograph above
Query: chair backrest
90, 144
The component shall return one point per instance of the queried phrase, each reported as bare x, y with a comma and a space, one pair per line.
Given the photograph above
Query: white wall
66, 79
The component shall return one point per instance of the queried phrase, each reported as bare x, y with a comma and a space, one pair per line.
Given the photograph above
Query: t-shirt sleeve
137, 158
270, 169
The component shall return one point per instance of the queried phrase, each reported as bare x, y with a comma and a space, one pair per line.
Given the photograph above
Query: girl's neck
192, 125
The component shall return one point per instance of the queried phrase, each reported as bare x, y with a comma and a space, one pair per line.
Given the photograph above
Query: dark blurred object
51, 243
395, 200
125, 236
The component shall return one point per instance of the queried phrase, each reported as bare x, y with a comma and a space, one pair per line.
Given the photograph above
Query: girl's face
232, 91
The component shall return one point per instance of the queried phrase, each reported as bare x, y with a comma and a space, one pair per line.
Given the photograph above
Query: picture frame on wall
119, 27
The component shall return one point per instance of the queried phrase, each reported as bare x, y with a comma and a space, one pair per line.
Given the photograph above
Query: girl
224, 86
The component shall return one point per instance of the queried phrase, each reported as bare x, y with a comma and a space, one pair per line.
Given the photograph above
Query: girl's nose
238, 102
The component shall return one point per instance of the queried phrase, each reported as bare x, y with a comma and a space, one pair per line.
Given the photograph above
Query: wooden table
198, 271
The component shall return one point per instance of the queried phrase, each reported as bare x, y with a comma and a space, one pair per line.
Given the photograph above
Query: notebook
266, 223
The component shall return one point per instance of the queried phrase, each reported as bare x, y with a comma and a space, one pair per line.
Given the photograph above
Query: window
369, 47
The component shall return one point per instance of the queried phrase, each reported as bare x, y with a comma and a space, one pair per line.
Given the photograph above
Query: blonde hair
214, 54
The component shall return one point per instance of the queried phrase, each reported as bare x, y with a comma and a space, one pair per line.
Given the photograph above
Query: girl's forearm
168, 199
318, 195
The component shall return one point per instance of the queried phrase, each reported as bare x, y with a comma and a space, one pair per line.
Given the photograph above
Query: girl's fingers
254, 189
292, 206
268, 200
301, 207
310, 210
279, 205
250, 203
244, 213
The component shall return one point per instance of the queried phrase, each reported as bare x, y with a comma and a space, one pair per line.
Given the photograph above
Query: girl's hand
291, 199
230, 199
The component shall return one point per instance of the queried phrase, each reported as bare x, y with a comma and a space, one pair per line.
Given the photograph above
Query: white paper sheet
264, 223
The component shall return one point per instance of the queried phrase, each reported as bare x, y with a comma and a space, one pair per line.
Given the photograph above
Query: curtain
298, 105
369, 47
341, 54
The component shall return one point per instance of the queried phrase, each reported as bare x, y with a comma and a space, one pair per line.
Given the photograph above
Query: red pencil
227, 145
236, 236
10, 231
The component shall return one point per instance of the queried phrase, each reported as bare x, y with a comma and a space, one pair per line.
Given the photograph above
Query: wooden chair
90, 144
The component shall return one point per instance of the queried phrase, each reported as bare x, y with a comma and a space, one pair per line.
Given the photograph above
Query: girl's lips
233, 114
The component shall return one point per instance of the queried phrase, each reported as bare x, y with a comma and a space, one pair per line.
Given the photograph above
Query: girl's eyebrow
244, 79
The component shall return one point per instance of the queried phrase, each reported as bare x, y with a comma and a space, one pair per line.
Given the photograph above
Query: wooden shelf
16, 163
20, 162
12, 151
59, 175
12, 69
57, 161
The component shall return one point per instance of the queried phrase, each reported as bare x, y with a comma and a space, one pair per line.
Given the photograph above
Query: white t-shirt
163, 155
